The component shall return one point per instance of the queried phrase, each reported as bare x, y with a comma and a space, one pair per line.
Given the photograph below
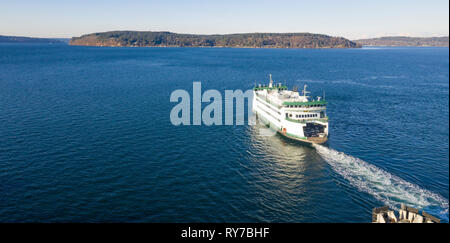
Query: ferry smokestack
271, 81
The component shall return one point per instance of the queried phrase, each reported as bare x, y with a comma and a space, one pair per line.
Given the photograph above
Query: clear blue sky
349, 18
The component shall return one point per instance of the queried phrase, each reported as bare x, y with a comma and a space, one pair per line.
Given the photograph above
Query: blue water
85, 136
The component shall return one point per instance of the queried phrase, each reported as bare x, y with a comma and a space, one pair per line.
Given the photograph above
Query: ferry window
290, 115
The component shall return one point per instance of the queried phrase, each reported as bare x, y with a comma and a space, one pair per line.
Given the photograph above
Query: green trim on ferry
321, 102
270, 88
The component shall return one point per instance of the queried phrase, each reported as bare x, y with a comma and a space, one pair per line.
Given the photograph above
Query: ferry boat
293, 115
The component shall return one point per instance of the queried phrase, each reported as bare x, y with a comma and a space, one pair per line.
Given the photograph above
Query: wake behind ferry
295, 116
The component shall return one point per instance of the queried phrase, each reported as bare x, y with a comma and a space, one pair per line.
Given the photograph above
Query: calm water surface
85, 135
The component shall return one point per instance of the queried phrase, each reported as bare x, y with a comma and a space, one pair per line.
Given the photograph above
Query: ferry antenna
304, 90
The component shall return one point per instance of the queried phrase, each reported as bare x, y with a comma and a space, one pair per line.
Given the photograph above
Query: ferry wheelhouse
293, 115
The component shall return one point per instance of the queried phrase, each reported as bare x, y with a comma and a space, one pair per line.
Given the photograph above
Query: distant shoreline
252, 40
398, 41
23, 39
249, 40
214, 47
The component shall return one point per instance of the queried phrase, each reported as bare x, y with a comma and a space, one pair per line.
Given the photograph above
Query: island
250, 40
22, 39
405, 41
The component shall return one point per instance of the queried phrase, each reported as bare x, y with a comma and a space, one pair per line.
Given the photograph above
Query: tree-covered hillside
255, 40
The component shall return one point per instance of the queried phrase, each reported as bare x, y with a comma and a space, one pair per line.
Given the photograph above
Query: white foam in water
388, 188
